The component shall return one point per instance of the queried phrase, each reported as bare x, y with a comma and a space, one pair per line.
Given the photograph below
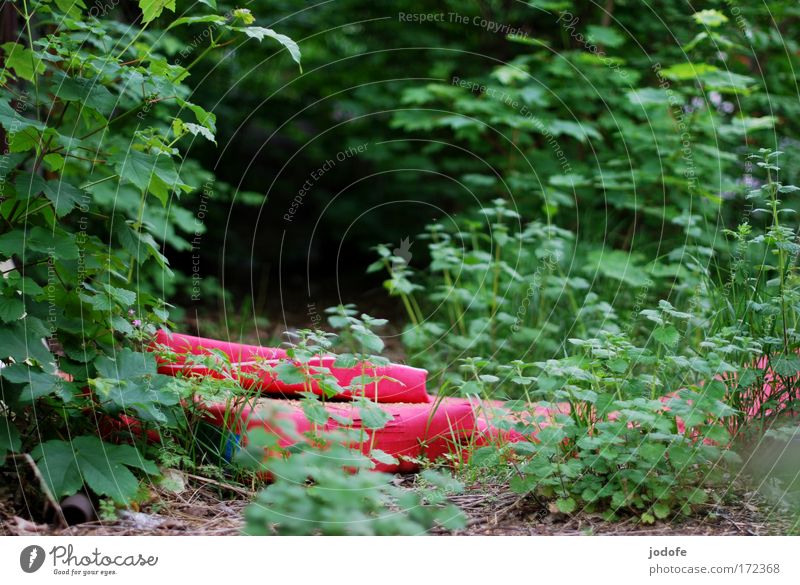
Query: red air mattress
185, 345
396, 383
415, 430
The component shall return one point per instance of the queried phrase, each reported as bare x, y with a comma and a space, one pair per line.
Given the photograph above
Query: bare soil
212, 508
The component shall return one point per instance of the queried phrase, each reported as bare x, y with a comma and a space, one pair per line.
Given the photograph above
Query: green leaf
369, 341
88, 92
604, 35
660, 510
259, 32
566, 505
213, 18
71, 7
315, 411
25, 63
684, 71
470, 388
148, 397
12, 121
103, 467
204, 118
56, 243
110, 298
579, 130
372, 415
129, 382
382, 457
23, 340
126, 364
787, 366
648, 96
11, 309
152, 9
37, 383
290, 373
180, 128
710, 18
152, 172
668, 335
727, 81
63, 195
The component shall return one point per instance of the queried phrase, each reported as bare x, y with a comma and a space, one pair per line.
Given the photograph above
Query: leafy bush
98, 120
331, 490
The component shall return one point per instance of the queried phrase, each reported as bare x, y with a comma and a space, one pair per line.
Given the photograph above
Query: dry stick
48, 494
737, 525
500, 514
233, 488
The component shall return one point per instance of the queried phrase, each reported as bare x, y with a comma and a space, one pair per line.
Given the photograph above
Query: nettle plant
498, 287
758, 300
97, 119
332, 490
632, 430
324, 482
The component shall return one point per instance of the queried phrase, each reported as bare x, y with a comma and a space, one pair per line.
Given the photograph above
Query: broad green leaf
623, 266
211, 18
11, 309
149, 397
88, 92
156, 173
259, 32
103, 467
372, 415
661, 511
126, 364
152, 9
603, 35
61, 194
25, 63
12, 121
787, 366
110, 298
37, 383
370, 342
55, 243
380, 457
204, 118
290, 373
71, 7
566, 505
648, 96
668, 336
315, 411
579, 130
727, 81
710, 18
130, 382
684, 71
23, 340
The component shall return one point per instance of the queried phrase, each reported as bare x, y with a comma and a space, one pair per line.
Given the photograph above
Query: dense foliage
606, 209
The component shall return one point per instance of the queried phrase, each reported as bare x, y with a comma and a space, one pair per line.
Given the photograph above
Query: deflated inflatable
254, 367
414, 431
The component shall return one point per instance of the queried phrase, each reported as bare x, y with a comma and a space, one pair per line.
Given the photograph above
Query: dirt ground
207, 507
